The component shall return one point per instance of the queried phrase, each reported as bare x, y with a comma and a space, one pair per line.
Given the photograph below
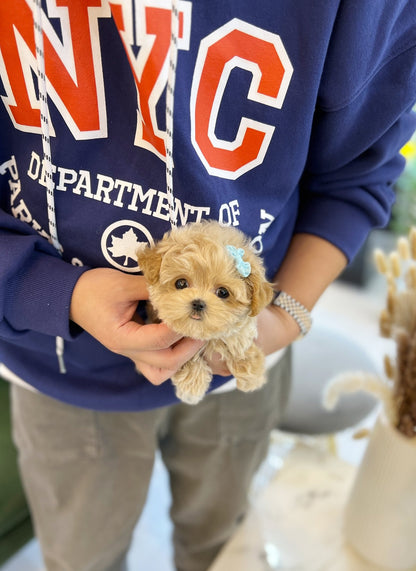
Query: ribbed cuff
38, 298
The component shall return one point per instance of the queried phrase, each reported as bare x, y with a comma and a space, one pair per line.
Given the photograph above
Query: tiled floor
345, 308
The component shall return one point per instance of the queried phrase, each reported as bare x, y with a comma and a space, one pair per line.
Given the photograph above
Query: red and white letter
72, 65
242, 45
152, 28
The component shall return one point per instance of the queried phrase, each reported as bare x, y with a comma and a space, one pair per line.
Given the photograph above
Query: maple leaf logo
127, 246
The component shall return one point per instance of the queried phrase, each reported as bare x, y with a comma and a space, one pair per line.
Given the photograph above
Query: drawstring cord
170, 92
46, 147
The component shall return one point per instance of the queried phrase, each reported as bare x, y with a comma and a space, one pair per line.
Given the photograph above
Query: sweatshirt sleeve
363, 117
35, 283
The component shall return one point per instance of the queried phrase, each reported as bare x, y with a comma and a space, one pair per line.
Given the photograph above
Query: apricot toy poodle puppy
205, 282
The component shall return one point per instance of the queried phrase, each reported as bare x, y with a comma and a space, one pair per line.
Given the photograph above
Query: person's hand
276, 329
104, 303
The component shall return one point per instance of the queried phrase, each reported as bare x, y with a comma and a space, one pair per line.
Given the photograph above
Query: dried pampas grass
397, 322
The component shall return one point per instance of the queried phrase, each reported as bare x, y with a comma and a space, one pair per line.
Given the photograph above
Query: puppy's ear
150, 260
261, 291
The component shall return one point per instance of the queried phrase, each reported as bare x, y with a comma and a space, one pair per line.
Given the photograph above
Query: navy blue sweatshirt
288, 117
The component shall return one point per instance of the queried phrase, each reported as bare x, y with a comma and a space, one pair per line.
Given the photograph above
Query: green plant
404, 210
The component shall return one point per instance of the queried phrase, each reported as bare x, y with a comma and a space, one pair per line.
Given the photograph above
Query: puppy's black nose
198, 305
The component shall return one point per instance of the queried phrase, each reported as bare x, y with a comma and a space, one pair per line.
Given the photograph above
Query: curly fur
197, 254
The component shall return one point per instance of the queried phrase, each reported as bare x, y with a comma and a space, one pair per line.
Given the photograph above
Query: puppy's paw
248, 384
188, 398
249, 373
192, 381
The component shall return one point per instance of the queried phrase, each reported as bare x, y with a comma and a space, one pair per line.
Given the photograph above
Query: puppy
205, 282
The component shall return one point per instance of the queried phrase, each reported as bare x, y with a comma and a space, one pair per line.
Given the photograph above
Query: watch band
300, 314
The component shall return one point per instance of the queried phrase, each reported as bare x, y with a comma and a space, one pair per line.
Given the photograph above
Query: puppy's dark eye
181, 284
222, 293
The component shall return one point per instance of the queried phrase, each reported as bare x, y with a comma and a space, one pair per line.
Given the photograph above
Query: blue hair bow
244, 268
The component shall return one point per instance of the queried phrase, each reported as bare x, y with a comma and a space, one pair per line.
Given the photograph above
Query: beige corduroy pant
86, 473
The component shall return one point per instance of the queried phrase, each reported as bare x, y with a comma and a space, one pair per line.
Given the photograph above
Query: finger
176, 356
155, 375
133, 336
171, 359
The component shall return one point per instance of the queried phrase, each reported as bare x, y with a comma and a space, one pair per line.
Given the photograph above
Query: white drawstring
59, 350
170, 92
46, 146
44, 123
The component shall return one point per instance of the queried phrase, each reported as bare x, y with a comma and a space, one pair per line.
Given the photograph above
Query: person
287, 123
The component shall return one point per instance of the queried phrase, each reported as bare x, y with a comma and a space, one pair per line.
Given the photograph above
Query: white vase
380, 515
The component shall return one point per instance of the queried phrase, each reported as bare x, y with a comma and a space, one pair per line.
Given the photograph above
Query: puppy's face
195, 287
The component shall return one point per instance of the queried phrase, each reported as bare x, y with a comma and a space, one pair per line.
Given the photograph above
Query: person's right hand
104, 304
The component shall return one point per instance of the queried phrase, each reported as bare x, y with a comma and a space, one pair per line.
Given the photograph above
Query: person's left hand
276, 329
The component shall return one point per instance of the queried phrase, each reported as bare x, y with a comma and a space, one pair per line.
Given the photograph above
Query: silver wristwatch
298, 311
